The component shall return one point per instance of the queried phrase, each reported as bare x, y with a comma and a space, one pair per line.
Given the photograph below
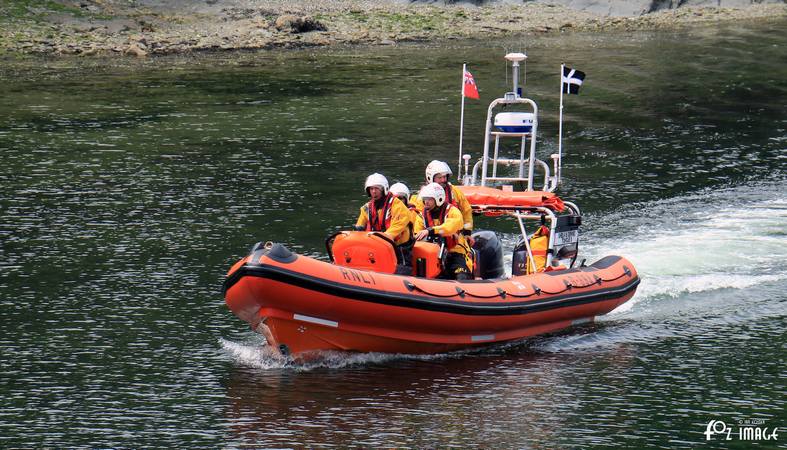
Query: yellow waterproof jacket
397, 220
449, 228
458, 199
464, 206
414, 216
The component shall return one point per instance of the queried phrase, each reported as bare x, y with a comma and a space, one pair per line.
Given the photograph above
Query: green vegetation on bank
27, 23
404, 21
35, 9
407, 21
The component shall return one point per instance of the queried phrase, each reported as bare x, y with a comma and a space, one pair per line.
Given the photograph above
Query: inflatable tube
315, 305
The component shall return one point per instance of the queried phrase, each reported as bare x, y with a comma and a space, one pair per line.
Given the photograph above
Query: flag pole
560, 130
461, 122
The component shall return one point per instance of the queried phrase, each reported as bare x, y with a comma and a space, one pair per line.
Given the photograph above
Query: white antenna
560, 132
524, 71
462, 121
515, 59
505, 69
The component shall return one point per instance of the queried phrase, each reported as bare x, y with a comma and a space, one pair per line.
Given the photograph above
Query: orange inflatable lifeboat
307, 304
366, 299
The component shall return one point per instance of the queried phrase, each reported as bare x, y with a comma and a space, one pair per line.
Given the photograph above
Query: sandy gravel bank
117, 27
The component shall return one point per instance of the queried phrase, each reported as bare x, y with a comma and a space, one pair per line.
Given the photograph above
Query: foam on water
734, 238
707, 261
257, 354
252, 354
700, 317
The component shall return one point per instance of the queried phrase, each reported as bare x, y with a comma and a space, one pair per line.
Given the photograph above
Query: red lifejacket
379, 222
450, 241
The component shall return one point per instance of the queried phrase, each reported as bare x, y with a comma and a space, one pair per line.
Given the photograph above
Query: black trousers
456, 267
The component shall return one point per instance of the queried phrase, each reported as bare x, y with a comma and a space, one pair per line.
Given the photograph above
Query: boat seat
363, 250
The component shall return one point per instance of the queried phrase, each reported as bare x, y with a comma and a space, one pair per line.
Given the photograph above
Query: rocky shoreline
116, 27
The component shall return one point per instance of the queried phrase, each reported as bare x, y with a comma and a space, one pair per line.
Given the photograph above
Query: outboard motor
519, 260
489, 255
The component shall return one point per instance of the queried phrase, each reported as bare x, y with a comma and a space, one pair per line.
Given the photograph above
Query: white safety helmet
400, 190
435, 191
376, 179
435, 168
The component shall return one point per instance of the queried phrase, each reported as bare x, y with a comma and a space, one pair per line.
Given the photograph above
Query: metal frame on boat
524, 126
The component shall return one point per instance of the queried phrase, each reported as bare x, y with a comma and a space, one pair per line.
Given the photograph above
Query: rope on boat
500, 293
626, 273
412, 287
598, 281
536, 290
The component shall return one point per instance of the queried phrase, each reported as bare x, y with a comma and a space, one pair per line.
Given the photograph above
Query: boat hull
314, 305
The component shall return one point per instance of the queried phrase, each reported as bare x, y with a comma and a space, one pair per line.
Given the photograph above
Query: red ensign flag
470, 89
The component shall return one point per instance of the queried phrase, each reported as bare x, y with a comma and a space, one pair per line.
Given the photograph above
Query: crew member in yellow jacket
438, 172
442, 220
403, 193
387, 214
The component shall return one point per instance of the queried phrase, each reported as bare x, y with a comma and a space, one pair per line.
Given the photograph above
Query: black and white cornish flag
572, 80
